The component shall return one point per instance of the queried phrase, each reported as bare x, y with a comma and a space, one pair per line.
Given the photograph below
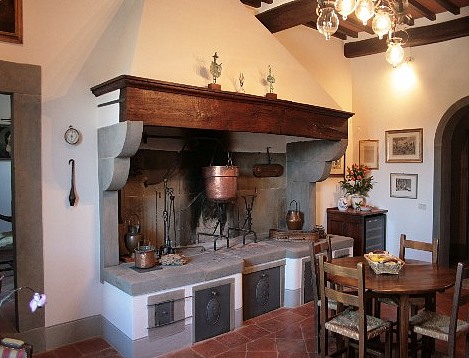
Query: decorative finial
215, 68
271, 80
241, 82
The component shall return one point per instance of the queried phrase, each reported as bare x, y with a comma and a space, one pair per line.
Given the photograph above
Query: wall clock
72, 135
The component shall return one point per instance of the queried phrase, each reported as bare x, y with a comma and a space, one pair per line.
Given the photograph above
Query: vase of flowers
357, 184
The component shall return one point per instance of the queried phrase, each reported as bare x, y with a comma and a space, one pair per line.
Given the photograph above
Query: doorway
22, 82
451, 184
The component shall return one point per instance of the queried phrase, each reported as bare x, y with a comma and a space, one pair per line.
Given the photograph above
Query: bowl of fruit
382, 262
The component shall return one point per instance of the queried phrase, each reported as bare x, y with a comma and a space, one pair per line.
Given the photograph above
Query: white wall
80, 44
383, 100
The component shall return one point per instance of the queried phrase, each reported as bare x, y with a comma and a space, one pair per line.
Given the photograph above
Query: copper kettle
294, 218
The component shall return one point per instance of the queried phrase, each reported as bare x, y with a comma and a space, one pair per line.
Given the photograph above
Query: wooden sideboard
367, 228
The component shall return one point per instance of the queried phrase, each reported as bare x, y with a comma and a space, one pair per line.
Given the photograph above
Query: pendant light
345, 7
382, 22
328, 21
395, 52
365, 10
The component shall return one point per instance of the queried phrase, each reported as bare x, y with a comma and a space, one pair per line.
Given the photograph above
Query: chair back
459, 300
418, 245
332, 280
319, 249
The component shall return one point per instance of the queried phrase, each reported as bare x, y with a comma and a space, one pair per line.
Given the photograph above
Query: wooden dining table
416, 278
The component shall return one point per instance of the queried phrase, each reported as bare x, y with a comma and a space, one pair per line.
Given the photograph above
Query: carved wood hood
158, 103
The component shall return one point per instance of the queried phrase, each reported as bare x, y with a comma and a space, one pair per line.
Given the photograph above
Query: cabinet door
348, 225
375, 233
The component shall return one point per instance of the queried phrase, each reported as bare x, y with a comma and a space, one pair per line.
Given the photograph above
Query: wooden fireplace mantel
159, 103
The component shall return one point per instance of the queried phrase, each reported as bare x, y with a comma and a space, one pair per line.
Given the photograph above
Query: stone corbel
307, 163
116, 144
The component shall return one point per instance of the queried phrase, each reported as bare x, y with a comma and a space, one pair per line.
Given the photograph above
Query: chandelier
388, 17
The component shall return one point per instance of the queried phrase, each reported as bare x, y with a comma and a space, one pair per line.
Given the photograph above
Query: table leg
403, 325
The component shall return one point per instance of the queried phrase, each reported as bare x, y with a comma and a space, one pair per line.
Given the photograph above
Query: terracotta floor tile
253, 332
273, 325
262, 345
233, 339
291, 345
183, 353
291, 332
260, 355
209, 348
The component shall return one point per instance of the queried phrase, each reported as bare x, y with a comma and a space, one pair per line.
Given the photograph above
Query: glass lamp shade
365, 10
382, 22
345, 7
395, 52
328, 22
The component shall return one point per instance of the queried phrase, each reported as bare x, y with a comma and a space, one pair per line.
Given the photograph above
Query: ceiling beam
418, 36
256, 3
449, 6
288, 15
423, 10
341, 33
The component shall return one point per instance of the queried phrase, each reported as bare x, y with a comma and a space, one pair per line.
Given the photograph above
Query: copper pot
221, 182
294, 218
145, 257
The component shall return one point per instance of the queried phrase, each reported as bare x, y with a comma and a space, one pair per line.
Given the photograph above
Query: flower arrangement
357, 180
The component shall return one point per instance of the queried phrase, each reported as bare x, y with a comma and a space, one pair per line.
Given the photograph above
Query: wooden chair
322, 248
416, 303
442, 327
15, 348
354, 324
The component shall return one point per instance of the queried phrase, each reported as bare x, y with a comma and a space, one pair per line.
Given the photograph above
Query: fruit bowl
382, 262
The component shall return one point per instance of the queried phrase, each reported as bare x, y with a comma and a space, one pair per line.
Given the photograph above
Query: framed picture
403, 185
404, 146
338, 167
5, 141
11, 21
369, 153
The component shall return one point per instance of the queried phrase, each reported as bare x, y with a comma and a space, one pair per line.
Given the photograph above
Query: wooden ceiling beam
256, 3
342, 32
447, 5
418, 36
288, 15
424, 11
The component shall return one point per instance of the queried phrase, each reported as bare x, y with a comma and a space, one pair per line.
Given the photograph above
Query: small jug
294, 218
133, 237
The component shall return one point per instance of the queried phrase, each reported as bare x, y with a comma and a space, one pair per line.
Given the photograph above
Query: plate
365, 208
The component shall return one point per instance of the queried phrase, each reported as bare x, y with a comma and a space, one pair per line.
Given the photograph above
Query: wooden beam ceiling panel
288, 15
418, 36
424, 11
449, 6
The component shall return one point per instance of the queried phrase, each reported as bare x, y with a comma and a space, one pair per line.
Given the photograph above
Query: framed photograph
5, 141
403, 185
369, 153
404, 146
338, 167
11, 21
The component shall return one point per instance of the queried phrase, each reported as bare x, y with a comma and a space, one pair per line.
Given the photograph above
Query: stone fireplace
178, 116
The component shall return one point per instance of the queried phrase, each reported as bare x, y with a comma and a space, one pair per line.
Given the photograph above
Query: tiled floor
283, 333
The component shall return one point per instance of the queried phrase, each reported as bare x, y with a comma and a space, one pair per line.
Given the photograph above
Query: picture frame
11, 21
369, 153
403, 185
404, 146
338, 167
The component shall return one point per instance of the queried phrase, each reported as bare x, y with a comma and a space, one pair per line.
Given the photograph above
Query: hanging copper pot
221, 182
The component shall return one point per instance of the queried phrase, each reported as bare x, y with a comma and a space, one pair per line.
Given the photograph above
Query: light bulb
365, 10
328, 22
381, 22
345, 7
395, 52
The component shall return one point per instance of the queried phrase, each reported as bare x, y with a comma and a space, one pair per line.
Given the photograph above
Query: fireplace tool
168, 193
220, 187
247, 224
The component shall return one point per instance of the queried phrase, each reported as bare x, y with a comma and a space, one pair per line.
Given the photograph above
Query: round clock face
72, 136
